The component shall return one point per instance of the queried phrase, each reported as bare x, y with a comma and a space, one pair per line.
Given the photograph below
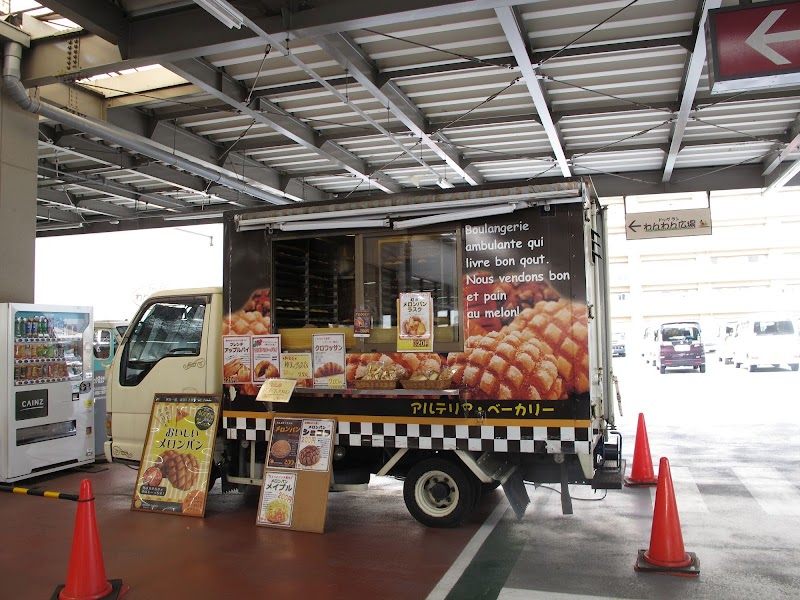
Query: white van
766, 341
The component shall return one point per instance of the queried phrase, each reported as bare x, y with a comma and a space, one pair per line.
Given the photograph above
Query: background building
750, 263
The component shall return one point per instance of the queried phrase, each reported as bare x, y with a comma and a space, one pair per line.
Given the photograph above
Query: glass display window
426, 262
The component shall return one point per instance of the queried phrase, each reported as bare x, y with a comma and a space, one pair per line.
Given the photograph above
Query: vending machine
46, 401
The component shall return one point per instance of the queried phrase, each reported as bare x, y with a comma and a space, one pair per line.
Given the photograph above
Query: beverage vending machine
46, 401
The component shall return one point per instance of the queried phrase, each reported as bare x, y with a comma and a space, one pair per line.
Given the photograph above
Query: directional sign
753, 47
668, 223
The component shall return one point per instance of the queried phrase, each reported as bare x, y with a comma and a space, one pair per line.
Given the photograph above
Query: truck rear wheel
439, 492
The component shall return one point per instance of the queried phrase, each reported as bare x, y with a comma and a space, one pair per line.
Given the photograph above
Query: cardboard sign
276, 390
296, 365
176, 462
294, 492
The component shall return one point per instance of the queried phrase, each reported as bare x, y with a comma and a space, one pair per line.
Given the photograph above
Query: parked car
618, 344
766, 341
726, 338
680, 345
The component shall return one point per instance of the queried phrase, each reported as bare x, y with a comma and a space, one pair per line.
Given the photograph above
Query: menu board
416, 316
328, 355
362, 322
294, 493
178, 452
277, 499
266, 357
297, 366
236, 359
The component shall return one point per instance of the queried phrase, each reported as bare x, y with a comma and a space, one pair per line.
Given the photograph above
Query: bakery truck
504, 380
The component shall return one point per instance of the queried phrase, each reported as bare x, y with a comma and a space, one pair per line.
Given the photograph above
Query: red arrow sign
758, 40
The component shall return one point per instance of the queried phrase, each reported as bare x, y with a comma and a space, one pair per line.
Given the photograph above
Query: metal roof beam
97, 151
184, 142
114, 188
346, 52
694, 70
106, 208
518, 40
48, 194
793, 132
224, 87
65, 216
100, 18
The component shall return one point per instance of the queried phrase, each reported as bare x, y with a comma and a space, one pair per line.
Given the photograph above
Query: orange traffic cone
666, 554
642, 469
86, 575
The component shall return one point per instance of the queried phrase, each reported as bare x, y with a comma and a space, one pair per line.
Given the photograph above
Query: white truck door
166, 352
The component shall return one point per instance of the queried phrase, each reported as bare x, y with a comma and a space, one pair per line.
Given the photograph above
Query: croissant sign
754, 47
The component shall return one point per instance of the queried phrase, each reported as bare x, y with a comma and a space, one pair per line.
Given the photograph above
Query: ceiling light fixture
320, 225
59, 227
456, 216
194, 216
223, 12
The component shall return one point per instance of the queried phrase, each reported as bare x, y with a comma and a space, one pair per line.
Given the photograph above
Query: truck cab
171, 346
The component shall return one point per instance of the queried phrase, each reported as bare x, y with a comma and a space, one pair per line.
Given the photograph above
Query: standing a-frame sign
178, 452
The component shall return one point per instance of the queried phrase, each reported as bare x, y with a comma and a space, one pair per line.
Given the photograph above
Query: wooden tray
426, 384
375, 384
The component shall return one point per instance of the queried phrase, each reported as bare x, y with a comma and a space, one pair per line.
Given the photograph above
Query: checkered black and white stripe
550, 440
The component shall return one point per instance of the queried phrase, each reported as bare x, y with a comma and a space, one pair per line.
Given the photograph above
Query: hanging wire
476, 107
606, 95
442, 50
754, 160
585, 33
258, 74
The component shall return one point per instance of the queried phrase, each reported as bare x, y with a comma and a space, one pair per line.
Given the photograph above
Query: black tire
794, 366
440, 493
752, 368
737, 365
663, 369
702, 368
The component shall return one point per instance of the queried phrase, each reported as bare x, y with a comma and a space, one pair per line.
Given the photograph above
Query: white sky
114, 272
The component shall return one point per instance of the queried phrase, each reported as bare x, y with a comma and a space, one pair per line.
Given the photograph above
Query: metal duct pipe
12, 61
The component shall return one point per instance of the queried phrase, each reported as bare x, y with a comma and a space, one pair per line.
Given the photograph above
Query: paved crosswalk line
776, 495
468, 553
518, 594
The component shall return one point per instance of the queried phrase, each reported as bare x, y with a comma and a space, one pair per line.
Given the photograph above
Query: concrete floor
737, 489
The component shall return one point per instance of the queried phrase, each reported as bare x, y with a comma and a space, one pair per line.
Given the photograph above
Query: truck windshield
164, 329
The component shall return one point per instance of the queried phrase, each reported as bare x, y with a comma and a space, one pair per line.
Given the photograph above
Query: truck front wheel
439, 492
